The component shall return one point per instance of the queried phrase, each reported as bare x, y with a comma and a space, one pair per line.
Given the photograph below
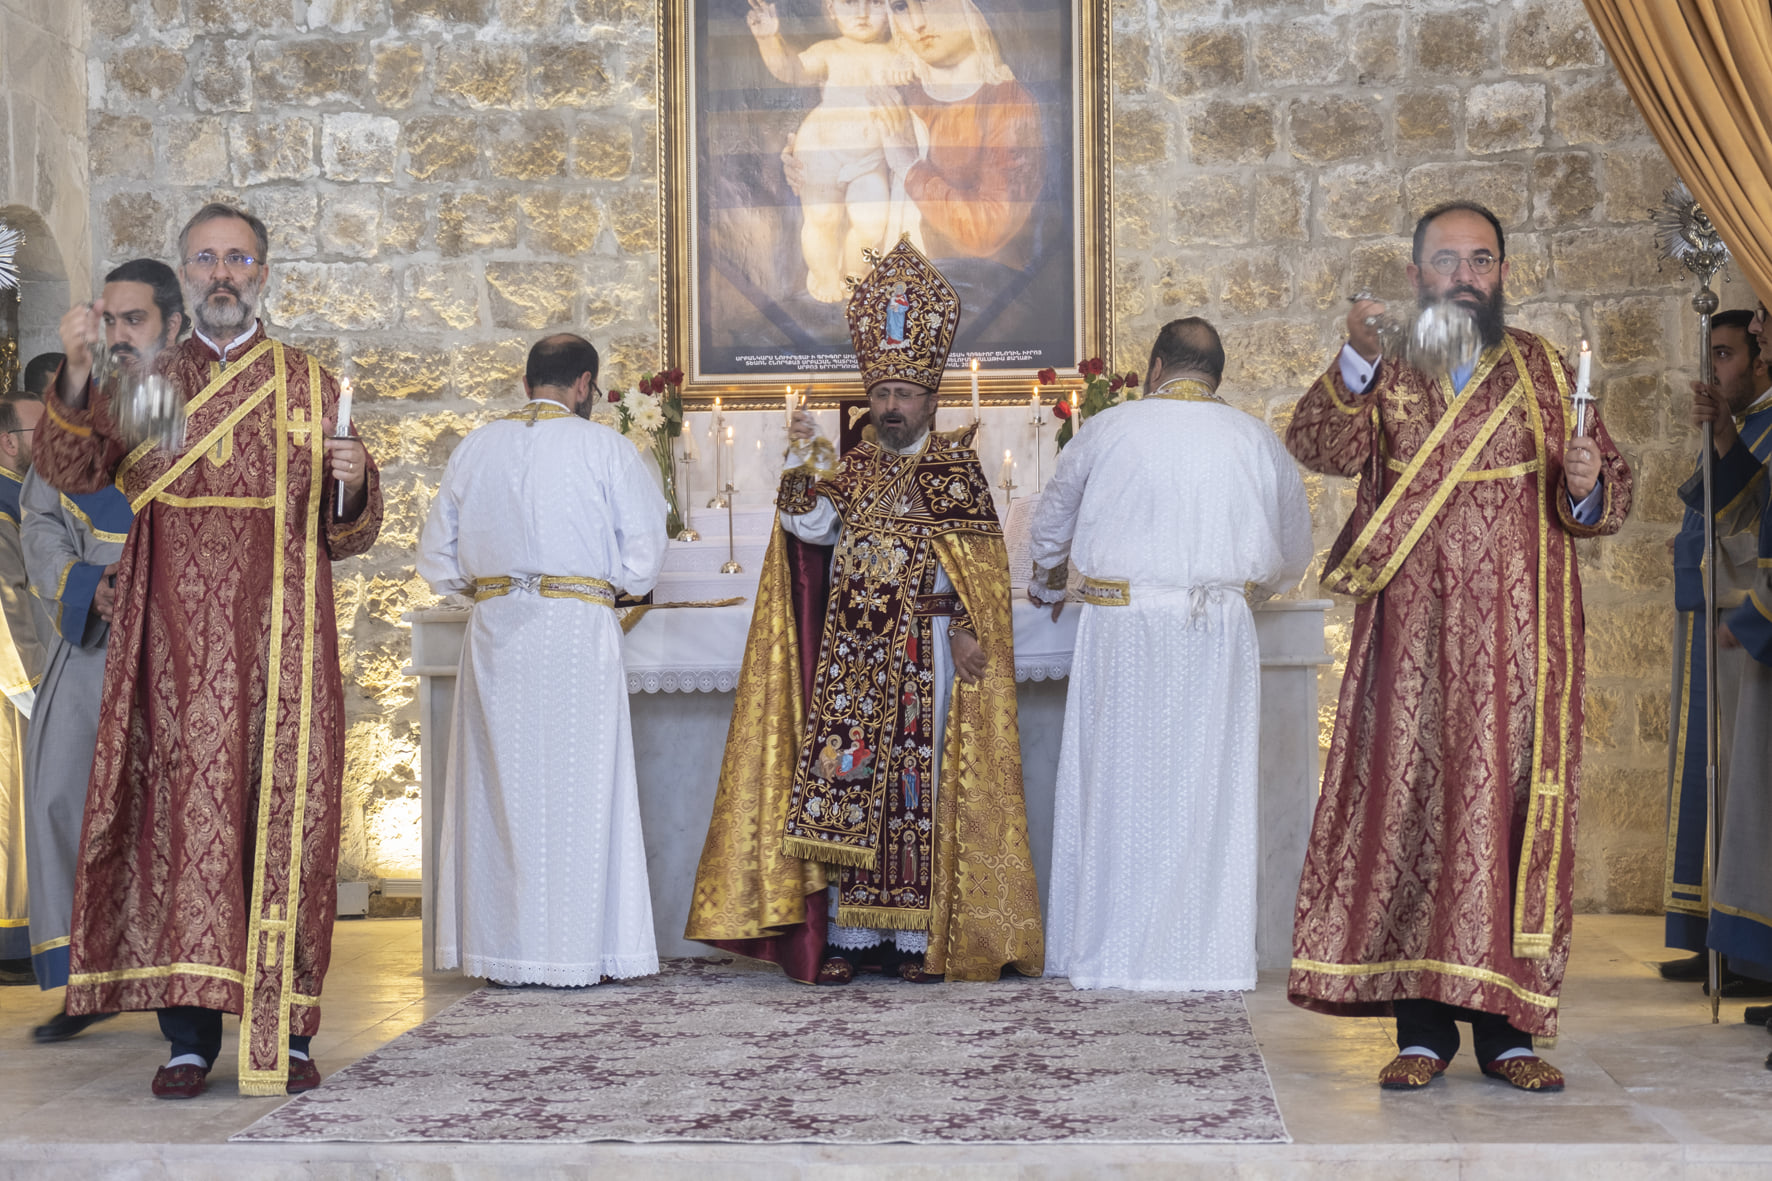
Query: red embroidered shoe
180, 1082
303, 1075
1410, 1072
1528, 1073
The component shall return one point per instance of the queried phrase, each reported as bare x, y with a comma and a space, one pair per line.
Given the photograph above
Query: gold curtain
1701, 73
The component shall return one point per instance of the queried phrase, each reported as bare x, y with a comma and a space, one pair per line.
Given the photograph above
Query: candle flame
975, 364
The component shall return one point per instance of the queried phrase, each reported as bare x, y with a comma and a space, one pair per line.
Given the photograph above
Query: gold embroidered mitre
902, 319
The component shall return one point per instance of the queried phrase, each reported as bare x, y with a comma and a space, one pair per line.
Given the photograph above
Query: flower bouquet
650, 416
1101, 389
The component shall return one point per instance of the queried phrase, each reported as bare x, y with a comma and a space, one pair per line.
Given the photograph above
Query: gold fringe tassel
883, 918
827, 853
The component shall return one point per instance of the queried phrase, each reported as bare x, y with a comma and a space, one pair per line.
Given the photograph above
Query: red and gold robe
1441, 856
208, 855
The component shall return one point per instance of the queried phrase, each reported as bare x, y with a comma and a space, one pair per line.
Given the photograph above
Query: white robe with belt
542, 870
1154, 832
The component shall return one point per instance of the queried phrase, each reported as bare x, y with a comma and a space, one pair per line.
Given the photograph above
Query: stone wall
445, 179
43, 158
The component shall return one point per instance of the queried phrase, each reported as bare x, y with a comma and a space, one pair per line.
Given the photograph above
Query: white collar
232, 344
552, 402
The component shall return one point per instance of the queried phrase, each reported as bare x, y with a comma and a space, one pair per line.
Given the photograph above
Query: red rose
1061, 409
1115, 384
646, 385
674, 377
1047, 376
615, 395
1132, 381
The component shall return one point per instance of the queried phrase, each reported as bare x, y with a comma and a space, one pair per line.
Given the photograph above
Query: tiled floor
1655, 1091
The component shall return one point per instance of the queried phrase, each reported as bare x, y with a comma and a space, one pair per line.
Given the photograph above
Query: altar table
682, 665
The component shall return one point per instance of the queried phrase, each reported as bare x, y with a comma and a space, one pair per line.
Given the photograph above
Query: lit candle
1034, 400
1583, 369
975, 389
716, 406
343, 426
1074, 421
787, 405
1007, 475
688, 442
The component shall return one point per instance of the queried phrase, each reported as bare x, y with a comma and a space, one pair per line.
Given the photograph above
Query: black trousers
192, 1030
1434, 1024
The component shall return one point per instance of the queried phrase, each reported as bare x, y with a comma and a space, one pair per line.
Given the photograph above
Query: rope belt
548, 586
937, 605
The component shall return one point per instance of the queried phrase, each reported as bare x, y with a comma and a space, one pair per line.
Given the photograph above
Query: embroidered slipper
1410, 1072
1528, 1073
912, 969
836, 970
183, 1081
303, 1076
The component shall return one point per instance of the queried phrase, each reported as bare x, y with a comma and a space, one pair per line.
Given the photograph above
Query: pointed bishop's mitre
902, 319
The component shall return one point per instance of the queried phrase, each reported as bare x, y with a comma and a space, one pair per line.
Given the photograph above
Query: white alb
1154, 828
541, 874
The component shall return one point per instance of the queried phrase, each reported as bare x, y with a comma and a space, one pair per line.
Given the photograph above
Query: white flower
647, 416
633, 400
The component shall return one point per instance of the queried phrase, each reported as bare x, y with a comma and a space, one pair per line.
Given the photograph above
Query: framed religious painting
801, 136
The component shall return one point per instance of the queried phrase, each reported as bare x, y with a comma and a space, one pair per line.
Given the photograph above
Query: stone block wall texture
43, 158
446, 179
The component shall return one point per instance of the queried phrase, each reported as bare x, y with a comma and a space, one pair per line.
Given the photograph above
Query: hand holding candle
347, 461
1583, 371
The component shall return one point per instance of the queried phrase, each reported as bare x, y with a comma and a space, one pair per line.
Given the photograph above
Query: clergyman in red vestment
1437, 883
208, 853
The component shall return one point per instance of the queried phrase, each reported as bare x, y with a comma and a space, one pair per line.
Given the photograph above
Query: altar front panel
682, 665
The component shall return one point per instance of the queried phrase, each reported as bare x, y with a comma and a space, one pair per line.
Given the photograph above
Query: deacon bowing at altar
1437, 882
1169, 505
870, 809
207, 881
542, 516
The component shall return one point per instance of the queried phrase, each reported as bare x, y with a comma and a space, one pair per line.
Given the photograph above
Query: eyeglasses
1480, 263
207, 260
881, 397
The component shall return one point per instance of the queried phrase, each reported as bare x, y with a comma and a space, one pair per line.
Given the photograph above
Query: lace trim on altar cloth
725, 680
620, 967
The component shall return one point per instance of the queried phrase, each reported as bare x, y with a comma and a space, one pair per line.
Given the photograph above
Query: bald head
1186, 348
563, 368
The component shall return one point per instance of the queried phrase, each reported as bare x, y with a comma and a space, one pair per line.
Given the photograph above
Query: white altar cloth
693, 655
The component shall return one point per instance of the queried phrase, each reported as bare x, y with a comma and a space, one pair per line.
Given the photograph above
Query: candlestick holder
687, 532
715, 440
1037, 420
1008, 485
731, 565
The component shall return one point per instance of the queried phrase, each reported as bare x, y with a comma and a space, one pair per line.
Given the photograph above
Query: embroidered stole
861, 796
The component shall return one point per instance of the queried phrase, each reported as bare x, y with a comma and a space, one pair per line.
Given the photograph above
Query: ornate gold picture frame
795, 133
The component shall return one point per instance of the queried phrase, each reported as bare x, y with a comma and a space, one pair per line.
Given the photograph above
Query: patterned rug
732, 1052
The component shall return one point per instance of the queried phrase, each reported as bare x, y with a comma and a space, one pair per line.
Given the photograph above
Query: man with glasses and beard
542, 517
875, 718
72, 544
1437, 885
208, 857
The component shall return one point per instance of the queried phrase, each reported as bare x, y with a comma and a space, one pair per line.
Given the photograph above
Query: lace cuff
1048, 586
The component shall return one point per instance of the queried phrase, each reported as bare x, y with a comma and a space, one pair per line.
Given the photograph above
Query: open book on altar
1021, 567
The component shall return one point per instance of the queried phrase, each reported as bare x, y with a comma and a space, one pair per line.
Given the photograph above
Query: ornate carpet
732, 1052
